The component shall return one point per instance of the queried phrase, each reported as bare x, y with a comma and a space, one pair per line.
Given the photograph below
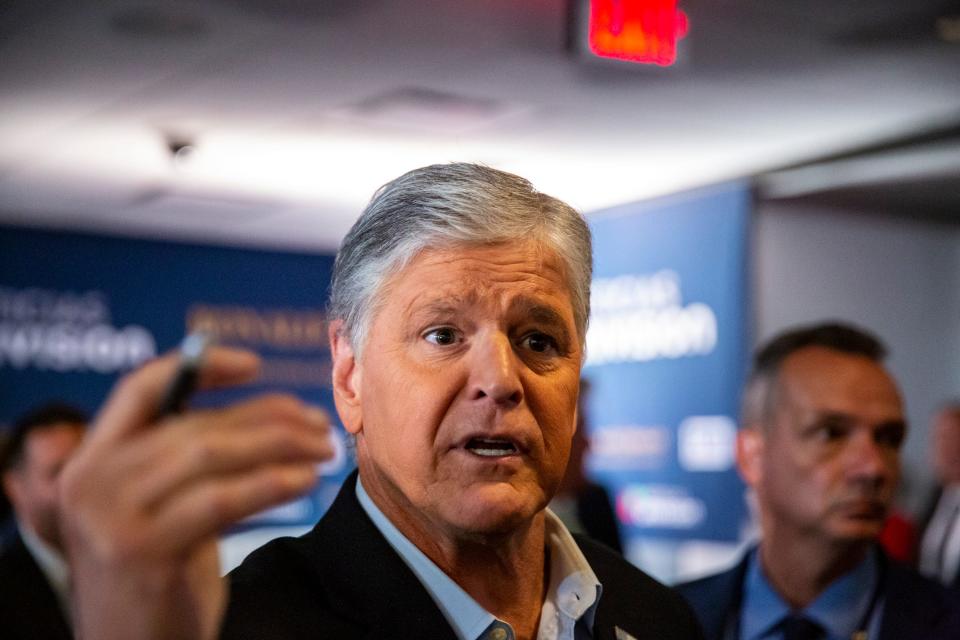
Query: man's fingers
142, 506
227, 366
134, 400
265, 431
206, 509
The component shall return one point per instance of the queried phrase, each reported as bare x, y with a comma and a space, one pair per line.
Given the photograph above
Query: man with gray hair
458, 314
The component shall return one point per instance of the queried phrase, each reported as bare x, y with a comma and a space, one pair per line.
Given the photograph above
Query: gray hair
446, 205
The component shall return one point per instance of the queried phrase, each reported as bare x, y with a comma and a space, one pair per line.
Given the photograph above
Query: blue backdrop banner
666, 355
77, 311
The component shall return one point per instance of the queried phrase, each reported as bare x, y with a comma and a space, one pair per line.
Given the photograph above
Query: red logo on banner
645, 31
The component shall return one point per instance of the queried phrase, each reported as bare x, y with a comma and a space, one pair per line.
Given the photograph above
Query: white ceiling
298, 109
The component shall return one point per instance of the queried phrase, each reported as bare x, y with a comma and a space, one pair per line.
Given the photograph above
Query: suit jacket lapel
906, 614
373, 582
724, 619
33, 595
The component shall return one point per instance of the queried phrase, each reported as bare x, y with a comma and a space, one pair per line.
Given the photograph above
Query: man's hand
143, 503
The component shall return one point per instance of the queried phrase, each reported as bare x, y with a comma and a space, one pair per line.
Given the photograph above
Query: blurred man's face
827, 461
466, 391
33, 484
946, 446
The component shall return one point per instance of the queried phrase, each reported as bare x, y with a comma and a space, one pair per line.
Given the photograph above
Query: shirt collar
51, 563
574, 589
839, 609
465, 615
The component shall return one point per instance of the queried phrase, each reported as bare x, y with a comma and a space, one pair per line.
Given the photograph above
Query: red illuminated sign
637, 30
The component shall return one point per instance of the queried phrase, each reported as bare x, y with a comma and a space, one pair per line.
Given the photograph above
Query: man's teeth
492, 448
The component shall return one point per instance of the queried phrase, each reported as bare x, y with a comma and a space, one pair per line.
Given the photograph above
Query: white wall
899, 278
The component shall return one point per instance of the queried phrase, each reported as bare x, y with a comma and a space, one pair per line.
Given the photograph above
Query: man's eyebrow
846, 419
441, 306
820, 418
833, 416
894, 424
541, 314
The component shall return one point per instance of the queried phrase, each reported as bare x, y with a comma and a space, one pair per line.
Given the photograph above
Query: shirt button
499, 634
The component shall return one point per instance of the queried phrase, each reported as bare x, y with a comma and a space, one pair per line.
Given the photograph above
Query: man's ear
12, 487
346, 379
750, 454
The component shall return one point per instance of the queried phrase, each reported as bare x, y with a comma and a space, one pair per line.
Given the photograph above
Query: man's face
464, 399
33, 484
826, 462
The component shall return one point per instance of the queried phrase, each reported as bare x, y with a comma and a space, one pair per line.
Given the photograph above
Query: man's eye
539, 342
442, 336
830, 432
891, 436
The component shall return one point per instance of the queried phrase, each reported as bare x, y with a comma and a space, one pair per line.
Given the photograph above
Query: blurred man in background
940, 545
34, 588
823, 423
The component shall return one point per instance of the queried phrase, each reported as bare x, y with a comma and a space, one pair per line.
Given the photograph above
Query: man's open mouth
491, 447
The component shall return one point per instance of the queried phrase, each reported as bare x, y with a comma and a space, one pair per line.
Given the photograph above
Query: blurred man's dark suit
29, 609
925, 520
914, 608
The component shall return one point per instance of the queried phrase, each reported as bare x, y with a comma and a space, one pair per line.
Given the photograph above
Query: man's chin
494, 511
859, 529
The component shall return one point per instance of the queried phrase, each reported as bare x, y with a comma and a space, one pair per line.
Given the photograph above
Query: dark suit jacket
914, 608
344, 580
29, 609
596, 513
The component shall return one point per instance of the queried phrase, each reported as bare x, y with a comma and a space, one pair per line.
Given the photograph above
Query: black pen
184, 382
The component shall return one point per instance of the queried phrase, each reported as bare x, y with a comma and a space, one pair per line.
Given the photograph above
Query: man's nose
870, 462
494, 369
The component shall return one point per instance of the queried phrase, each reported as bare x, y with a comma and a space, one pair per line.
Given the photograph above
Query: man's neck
507, 578
504, 572
800, 570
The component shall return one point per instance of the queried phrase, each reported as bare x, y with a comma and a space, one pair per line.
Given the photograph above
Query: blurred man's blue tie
797, 627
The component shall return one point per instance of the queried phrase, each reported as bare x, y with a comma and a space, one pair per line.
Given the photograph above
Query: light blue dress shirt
840, 609
571, 600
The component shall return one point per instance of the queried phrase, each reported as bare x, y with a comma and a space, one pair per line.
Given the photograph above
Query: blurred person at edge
819, 446
34, 578
940, 542
585, 506
459, 307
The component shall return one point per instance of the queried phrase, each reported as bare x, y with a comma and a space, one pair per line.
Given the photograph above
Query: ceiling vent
300, 10
427, 110
158, 22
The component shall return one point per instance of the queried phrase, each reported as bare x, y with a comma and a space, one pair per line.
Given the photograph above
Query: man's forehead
825, 379
521, 304
518, 276
54, 433
512, 256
